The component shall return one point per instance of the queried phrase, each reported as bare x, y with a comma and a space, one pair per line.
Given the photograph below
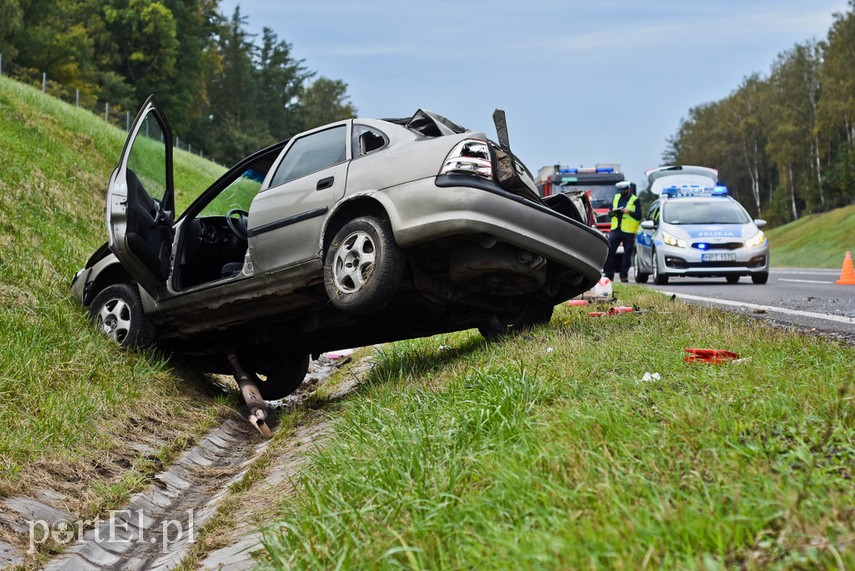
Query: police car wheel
640, 277
658, 279
760, 279
732, 279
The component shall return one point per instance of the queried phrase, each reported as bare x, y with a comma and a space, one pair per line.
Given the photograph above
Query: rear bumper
421, 212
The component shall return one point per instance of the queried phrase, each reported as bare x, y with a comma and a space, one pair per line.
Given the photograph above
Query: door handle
325, 183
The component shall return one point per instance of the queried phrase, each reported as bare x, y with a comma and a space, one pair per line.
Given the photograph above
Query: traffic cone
847, 274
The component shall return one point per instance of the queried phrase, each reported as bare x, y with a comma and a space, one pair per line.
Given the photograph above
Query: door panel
286, 219
285, 222
140, 203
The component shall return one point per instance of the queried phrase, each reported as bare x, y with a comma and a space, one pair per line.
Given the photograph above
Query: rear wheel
640, 277
284, 379
534, 313
363, 266
658, 278
118, 313
732, 279
760, 278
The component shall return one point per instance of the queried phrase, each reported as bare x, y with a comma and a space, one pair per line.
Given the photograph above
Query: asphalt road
806, 298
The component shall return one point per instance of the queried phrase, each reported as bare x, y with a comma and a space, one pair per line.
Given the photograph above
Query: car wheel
533, 313
761, 278
363, 266
640, 277
658, 278
732, 279
284, 380
118, 313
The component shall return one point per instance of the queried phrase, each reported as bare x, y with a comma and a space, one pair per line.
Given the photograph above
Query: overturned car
358, 232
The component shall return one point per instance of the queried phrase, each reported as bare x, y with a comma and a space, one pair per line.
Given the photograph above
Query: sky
582, 82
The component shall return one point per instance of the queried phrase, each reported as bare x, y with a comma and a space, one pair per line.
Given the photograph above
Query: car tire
640, 277
363, 266
761, 278
658, 278
118, 312
732, 279
534, 313
285, 379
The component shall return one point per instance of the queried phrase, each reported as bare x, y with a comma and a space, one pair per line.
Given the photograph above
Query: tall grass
817, 240
64, 389
547, 451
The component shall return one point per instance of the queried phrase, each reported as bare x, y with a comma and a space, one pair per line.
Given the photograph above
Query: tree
325, 101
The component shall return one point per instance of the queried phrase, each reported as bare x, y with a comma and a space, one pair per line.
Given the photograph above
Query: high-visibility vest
628, 223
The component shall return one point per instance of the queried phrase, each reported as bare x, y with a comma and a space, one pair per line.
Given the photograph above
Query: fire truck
599, 182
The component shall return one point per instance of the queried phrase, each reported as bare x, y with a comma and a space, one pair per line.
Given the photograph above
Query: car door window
653, 212
146, 159
312, 153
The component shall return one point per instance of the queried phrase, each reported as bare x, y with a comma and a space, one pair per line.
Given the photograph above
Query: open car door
140, 200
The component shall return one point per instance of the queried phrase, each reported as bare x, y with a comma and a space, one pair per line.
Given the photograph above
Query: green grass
464, 455
815, 241
65, 392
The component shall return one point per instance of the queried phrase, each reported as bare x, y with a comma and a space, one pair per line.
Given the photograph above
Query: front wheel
363, 266
760, 279
658, 278
533, 313
640, 277
118, 313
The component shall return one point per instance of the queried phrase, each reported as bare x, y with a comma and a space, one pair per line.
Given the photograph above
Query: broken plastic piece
621, 309
578, 302
709, 355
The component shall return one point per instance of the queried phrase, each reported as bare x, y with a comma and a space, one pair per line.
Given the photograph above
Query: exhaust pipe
249, 390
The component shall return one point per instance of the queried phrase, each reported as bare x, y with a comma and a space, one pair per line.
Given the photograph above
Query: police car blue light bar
694, 190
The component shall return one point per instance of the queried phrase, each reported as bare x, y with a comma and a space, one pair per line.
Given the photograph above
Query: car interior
213, 243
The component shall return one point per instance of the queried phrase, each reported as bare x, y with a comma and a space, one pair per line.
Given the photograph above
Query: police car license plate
718, 257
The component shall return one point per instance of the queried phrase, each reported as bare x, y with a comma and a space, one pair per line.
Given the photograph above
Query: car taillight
470, 156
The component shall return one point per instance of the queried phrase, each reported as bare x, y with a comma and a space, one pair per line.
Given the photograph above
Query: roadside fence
80, 97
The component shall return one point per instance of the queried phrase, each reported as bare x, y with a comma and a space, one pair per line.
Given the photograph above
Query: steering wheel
238, 225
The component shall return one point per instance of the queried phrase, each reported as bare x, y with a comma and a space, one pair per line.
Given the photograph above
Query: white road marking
807, 272
803, 281
769, 308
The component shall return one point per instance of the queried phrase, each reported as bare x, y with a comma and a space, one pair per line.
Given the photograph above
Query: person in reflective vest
626, 216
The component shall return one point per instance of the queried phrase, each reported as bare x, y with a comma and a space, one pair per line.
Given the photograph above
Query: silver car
695, 229
357, 232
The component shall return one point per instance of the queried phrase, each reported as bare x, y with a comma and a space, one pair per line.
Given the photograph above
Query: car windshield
602, 195
704, 212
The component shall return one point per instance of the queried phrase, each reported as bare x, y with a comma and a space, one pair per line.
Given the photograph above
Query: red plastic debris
596, 313
578, 302
620, 309
709, 355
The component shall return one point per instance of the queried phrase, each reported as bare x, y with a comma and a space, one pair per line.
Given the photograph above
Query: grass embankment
815, 241
68, 397
547, 451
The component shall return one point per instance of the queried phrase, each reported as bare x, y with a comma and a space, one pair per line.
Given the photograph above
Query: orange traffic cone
847, 274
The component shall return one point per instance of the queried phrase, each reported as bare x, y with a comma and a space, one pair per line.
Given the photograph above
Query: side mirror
650, 225
760, 223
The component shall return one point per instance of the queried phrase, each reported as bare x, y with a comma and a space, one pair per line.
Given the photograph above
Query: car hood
711, 232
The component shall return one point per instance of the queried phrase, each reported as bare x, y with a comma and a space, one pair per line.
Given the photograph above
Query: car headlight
756, 240
673, 241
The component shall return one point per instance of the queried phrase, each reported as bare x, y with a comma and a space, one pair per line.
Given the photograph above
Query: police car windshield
716, 211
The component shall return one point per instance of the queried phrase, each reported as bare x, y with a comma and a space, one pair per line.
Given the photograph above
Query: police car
695, 229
